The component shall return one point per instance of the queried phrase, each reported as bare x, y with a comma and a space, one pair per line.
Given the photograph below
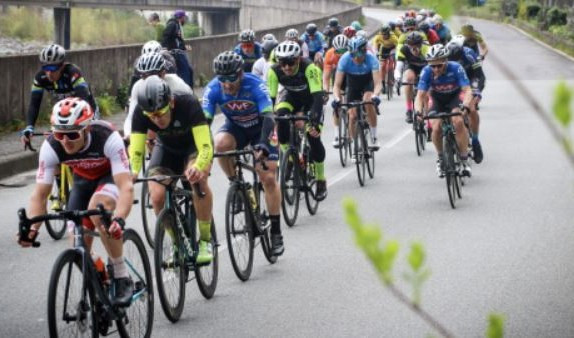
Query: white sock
120, 269
374, 133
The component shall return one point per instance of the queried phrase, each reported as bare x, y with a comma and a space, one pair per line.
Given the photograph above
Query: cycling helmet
268, 36
247, 35
357, 44
150, 62
386, 29
71, 113
268, 46
424, 26
52, 54
414, 38
151, 46
292, 34
349, 32
423, 12
333, 22
419, 18
437, 19
459, 38
454, 48
227, 63
340, 41
392, 25
287, 50
356, 25
466, 29
410, 22
431, 13
399, 22
437, 52
311, 29
154, 94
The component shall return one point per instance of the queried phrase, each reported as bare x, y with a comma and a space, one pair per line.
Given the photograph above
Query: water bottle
251, 196
100, 267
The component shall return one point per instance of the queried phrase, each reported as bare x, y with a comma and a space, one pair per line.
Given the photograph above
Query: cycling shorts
294, 102
358, 85
445, 103
166, 162
82, 192
249, 136
415, 68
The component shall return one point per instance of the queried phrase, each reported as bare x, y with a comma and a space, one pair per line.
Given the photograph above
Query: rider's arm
115, 151
313, 75
35, 101
422, 96
327, 67
266, 108
272, 82
482, 44
131, 108
339, 76
464, 84
47, 166
137, 141
204, 146
209, 100
423, 87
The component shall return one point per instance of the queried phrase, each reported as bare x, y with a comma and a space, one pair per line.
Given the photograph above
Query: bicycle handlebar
28, 144
441, 115
240, 152
355, 104
293, 118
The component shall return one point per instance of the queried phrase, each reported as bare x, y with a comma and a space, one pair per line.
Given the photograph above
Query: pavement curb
17, 163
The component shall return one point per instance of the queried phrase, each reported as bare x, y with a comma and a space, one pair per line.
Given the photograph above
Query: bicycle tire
450, 170
290, 186
343, 138
239, 235
206, 275
139, 269
148, 214
310, 183
265, 236
57, 228
359, 156
69, 265
390, 84
370, 154
418, 127
167, 270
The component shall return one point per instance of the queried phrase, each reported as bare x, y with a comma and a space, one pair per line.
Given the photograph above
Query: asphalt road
506, 248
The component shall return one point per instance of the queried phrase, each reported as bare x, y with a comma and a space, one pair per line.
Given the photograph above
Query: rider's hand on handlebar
261, 151
194, 175
32, 234
116, 229
26, 134
376, 100
335, 104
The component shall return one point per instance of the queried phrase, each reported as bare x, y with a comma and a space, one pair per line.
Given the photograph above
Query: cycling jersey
379, 42
316, 44
449, 83
103, 153
404, 54
403, 37
186, 133
70, 83
249, 59
473, 40
443, 33
330, 34
432, 36
349, 67
331, 60
473, 68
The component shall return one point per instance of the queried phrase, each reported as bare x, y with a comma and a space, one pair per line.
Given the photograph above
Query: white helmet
459, 39
53, 54
287, 50
268, 36
437, 52
151, 46
437, 19
71, 113
292, 33
340, 41
150, 62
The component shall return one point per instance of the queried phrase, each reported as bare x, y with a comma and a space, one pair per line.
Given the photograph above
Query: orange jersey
331, 60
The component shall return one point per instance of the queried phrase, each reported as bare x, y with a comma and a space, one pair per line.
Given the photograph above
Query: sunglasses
341, 51
158, 113
228, 78
70, 135
50, 68
437, 65
287, 62
358, 54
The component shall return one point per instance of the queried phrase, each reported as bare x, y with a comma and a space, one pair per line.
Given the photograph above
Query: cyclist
261, 66
473, 68
153, 46
293, 35
385, 44
59, 78
431, 34
340, 47
302, 92
183, 146
249, 49
447, 83
96, 154
357, 25
441, 29
315, 41
413, 54
410, 26
244, 100
364, 82
399, 26
349, 32
474, 39
332, 30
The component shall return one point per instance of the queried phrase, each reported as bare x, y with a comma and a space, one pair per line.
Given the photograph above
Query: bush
556, 17
107, 104
26, 23
532, 10
510, 8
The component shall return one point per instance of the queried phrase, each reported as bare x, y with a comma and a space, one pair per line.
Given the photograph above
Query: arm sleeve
131, 108
208, 103
47, 164
115, 151
202, 138
263, 99
272, 82
137, 148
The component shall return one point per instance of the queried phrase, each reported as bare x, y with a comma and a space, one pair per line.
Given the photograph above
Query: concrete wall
109, 68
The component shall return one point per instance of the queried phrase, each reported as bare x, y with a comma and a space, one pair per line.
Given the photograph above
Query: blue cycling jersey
468, 59
450, 82
348, 66
243, 109
317, 44
249, 59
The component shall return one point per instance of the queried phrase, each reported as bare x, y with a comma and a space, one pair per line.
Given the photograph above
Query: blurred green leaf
495, 326
416, 256
562, 101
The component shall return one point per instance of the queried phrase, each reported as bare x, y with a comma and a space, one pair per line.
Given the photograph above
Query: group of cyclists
254, 82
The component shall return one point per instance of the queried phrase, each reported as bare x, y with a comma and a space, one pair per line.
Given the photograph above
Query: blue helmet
357, 43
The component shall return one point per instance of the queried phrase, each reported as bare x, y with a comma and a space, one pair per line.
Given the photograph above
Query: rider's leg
409, 77
203, 207
225, 141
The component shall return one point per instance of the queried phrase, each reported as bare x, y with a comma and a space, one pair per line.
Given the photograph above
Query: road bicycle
421, 131
80, 295
177, 247
345, 145
297, 171
247, 222
389, 77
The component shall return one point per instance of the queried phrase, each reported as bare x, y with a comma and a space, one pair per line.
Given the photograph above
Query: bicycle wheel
343, 134
390, 83
290, 186
206, 275
70, 306
138, 321
359, 151
170, 269
239, 232
450, 170
57, 202
370, 153
420, 138
265, 227
148, 215
311, 185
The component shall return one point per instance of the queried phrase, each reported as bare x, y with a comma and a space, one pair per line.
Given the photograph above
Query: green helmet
356, 25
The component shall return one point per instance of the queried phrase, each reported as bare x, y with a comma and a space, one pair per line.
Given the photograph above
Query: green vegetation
382, 254
16, 22
562, 109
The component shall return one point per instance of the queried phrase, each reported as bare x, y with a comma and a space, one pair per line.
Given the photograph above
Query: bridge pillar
62, 26
220, 23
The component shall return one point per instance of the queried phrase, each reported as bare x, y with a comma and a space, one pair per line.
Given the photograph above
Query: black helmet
227, 63
247, 36
385, 29
414, 38
311, 29
424, 26
333, 22
454, 48
268, 46
154, 94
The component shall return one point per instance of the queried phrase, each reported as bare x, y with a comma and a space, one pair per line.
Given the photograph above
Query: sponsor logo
239, 106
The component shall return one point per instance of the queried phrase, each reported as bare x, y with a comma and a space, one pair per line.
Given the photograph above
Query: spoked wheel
390, 84
311, 186
206, 275
420, 135
359, 151
370, 153
148, 215
138, 321
265, 237
70, 306
57, 202
170, 269
290, 186
450, 172
239, 233
343, 138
